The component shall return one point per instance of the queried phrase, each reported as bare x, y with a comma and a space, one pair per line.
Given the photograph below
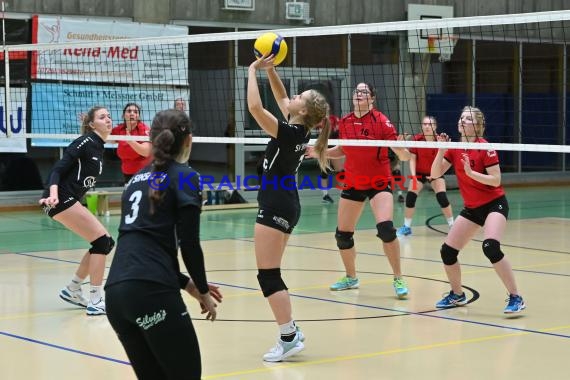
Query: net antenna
442, 44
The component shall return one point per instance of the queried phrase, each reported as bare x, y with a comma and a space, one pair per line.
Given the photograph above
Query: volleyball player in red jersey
420, 166
134, 155
479, 178
367, 175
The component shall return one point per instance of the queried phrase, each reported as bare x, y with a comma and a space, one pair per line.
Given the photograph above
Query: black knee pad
448, 254
386, 231
411, 199
492, 249
102, 245
344, 240
270, 281
442, 199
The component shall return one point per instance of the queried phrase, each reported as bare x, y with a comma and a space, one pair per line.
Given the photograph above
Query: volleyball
270, 43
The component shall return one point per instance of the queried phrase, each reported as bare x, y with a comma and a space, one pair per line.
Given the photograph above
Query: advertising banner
15, 123
57, 108
131, 64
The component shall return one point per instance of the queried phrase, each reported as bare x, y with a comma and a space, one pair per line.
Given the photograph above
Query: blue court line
330, 250
415, 313
63, 348
443, 317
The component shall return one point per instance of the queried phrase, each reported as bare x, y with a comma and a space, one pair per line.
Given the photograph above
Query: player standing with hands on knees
159, 215
479, 178
420, 167
279, 206
71, 177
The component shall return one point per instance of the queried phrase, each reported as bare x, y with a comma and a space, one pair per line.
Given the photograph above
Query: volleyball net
513, 67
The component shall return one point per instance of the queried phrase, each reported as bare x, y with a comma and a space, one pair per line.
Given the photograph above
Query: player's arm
73, 152
492, 178
412, 163
264, 118
143, 148
402, 153
335, 152
188, 232
278, 89
440, 164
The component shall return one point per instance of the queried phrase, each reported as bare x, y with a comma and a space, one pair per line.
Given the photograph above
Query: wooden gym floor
356, 334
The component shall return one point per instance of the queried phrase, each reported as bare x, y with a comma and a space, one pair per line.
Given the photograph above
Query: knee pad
386, 231
270, 281
344, 240
411, 199
102, 245
492, 249
448, 254
442, 199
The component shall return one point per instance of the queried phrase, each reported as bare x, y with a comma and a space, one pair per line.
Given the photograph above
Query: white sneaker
300, 334
97, 308
74, 297
283, 350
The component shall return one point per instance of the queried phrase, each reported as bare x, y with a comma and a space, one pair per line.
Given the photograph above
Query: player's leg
414, 189
438, 186
350, 207
80, 220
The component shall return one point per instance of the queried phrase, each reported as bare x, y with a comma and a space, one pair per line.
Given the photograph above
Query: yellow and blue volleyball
270, 43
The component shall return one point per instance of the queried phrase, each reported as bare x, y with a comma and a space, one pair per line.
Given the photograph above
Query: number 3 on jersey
135, 199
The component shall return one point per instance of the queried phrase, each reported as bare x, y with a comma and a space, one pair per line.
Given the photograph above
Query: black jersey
81, 164
283, 156
147, 246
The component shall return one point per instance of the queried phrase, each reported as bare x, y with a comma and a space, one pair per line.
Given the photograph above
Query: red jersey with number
475, 193
363, 161
131, 161
424, 156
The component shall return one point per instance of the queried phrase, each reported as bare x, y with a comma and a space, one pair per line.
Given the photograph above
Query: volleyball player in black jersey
71, 177
160, 213
279, 207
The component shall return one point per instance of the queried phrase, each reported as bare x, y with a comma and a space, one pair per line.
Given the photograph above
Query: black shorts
279, 221
361, 195
155, 329
66, 200
479, 215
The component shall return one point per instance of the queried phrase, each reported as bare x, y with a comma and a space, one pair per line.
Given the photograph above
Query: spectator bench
213, 195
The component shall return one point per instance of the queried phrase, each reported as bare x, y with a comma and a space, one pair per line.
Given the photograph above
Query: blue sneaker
404, 231
283, 350
515, 304
97, 308
346, 283
400, 287
74, 297
451, 300
300, 334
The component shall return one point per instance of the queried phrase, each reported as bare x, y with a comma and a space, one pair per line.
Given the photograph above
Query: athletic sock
288, 331
75, 283
95, 293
